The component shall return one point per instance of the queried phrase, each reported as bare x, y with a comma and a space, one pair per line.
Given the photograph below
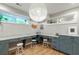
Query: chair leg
34, 44
45, 45
19, 50
22, 51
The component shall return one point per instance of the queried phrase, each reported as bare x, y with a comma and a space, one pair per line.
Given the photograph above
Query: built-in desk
67, 44
10, 41
63, 43
6, 42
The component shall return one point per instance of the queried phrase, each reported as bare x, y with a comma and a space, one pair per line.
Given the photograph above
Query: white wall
8, 29
62, 29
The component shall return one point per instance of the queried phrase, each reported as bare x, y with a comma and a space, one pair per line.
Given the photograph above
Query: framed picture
72, 30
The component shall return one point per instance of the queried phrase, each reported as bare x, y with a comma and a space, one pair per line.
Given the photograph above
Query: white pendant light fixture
38, 12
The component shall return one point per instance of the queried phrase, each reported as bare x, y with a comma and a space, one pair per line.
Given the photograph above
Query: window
9, 18
21, 20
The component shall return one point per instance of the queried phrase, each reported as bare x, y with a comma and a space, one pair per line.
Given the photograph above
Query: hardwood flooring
41, 50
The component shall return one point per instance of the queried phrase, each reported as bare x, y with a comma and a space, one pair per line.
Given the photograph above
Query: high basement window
21, 20
9, 18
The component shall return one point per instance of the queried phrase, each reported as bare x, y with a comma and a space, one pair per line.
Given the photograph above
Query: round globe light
38, 12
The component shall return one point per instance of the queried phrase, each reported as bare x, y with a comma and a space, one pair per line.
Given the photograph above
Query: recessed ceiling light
18, 4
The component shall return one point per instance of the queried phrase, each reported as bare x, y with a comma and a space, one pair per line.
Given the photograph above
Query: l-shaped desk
9, 41
63, 43
6, 42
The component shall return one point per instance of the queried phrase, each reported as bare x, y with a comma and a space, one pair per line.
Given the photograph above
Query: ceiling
51, 7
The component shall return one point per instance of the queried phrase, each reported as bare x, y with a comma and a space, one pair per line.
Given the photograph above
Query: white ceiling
51, 7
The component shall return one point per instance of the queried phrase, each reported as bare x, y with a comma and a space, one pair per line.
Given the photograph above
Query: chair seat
45, 40
19, 44
33, 40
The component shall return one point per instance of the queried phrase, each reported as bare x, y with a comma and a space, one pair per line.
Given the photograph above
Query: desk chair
34, 41
19, 48
45, 43
12, 48
12, 51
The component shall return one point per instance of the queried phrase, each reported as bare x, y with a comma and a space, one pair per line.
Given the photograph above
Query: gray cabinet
66, 44
63, 43
3, 48
55, 43
76, 46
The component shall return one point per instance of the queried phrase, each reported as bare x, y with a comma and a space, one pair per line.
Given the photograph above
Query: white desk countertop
72, 35
50, 35
11, 37
19, 36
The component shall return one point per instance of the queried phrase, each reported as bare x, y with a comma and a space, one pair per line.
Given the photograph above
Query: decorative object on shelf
38, 12
41, 27
69, 18
52, 20
57, 34
34, 25
65, 18
49, 21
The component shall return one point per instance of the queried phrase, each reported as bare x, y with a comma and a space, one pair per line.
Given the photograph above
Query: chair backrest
33, 40
45, 40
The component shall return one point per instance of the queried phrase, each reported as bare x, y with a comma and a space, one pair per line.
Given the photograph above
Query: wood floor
41, 50
38, 50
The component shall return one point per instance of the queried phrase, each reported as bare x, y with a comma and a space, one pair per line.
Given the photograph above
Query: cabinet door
76, 46
3, 48
55, 43
66, 44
